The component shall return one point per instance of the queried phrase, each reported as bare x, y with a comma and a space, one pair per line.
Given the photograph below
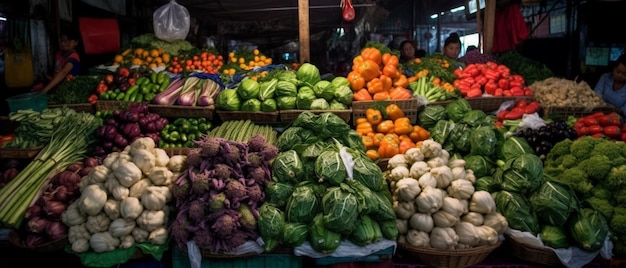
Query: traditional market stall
173, 155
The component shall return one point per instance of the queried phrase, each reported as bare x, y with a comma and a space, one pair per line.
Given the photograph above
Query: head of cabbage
248, 89
228, 100
308, 73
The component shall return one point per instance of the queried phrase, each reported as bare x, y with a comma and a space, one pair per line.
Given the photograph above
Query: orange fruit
154, 53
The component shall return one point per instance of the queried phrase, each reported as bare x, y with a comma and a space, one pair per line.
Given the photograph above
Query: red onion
84, 171
74, 167
54, 208
56, 230
62, 194
91, 162
9, 174
69, 179
33, 240
37, 224
33, 211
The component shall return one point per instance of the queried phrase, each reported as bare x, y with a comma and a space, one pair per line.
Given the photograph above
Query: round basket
16, 240
456, 258
532, 253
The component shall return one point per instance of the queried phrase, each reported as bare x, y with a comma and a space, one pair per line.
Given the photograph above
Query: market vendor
407, 51
612, 85
452, 46
66, 60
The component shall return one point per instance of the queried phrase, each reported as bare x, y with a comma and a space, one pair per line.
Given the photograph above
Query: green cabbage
324, 89
589, 229
294, 234
441, 131
483, 141
319, 104
554, 236
303, 204
277, 193
474, 118
336, 105
431, 114
364, 196
353, 140
287, 167
248, 89
364, 232
381, 206
481, 165
286, 102
286, 89
522, 174
367, 172
513, 147
340, 209
308, 73
228, 100
267, 89
344, 95
305, 97
330, 125
269, 105
389, 229
340, 81
553, 202
460, 138
322, 239
288, 76
487, 183
517, 211
457, 109
329, 167
251, 105
271, 223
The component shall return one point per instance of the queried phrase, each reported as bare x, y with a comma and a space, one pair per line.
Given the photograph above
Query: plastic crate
180, 260
379, 256
32, 100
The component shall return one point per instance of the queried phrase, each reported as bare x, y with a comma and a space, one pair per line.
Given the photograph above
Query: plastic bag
171, 22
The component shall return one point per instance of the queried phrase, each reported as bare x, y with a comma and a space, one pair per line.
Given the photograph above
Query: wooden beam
488, 25
479, 26
304, 36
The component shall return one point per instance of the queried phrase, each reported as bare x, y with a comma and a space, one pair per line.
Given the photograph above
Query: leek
69, 143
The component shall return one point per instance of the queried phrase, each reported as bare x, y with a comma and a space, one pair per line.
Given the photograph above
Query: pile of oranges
246, 60
206, 62
152, 58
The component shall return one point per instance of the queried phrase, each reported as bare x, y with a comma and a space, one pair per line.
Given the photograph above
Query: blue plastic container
32, 100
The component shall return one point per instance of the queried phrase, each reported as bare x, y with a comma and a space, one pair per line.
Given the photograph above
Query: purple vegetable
188, 98
143, 122
161, 123
205, 97
154, 136
131, 130
129, 116
170, 94
120, 141
33, 240
153, 116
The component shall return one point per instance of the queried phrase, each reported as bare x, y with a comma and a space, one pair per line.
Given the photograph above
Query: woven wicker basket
532, 253
111, 105
257, 117
26, 153
490, 104
16, 240
555, 112
410, 107
290, 115
449, 258
173, 111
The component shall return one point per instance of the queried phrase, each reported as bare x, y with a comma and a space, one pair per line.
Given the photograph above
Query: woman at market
66, 60
612, 85
452, 46
407, 51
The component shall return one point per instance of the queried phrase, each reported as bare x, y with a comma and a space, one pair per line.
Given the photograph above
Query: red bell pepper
490, 87
492, 74
612, 131
516, 91
503, 83
595, 129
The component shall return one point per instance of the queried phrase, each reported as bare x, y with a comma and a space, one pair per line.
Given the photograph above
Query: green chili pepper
174, 136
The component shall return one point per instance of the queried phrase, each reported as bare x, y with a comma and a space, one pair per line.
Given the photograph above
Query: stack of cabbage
287, 90
436, 203
324, 190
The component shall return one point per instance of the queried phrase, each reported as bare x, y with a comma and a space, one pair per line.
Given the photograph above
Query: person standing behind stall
452, 46
612, 85
407, 51
66, 60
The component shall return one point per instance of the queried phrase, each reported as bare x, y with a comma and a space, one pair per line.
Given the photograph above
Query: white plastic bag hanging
171, 22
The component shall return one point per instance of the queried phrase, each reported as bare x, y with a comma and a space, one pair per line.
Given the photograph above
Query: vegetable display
123, 201
601, 125
490, 79
242, 131
36, 128
436, 204
219, 192
43, 219
67, 145
560, 92
127, 125
73, 91
183, 131
376, 76
313, 199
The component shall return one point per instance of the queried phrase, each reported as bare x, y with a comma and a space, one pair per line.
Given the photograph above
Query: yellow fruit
242, 60
137, 61
158, 60
242, 66
268, 61
145, 54
225, 71
255, 52
154, 53
118, 58
166, 57
138, 51
152, 65
126, 52
231, 54
148, 59
262, 58
231, 71
233, 59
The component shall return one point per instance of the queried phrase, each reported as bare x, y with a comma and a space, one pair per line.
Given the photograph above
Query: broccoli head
596, 167
569, 161
602, 191
620, 197
582, 147
559, 149
553, 170
601, 205
617, 223
618, 161
608, 148
616, 178
577, 179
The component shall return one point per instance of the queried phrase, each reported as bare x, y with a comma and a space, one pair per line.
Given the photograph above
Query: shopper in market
612, 85
452, 46
407, 51
66, 60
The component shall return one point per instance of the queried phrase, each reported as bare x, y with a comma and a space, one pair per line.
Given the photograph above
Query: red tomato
590, 121
612, 131
595, 129
583, 131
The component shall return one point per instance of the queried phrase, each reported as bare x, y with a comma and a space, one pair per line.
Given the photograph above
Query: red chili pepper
521, 103
514, 114
502, 114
